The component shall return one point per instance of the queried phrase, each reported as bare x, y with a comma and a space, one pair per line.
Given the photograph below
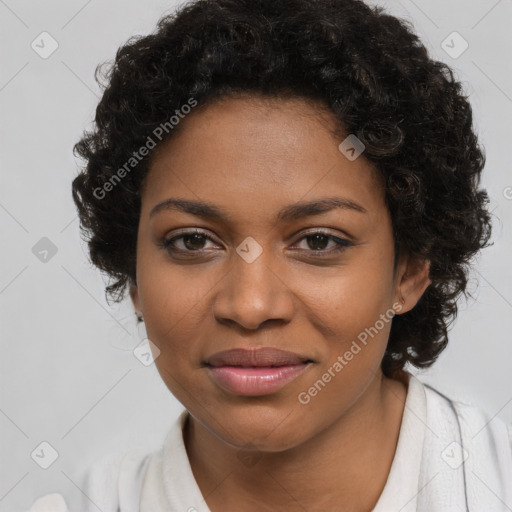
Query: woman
289, 191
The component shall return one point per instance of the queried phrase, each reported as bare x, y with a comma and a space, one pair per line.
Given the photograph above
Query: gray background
67, 374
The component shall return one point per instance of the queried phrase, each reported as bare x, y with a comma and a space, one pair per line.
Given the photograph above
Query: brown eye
318, 242
192, 241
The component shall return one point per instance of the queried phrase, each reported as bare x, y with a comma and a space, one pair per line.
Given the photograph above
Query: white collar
401, 489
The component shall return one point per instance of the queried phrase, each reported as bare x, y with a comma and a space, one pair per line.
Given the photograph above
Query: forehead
266, 151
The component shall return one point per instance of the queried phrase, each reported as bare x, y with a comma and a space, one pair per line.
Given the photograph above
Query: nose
252, 294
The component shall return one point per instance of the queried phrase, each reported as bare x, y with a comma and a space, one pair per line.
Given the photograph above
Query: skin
252, 156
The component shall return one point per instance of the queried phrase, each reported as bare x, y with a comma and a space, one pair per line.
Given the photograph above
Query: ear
411, 282
134, 294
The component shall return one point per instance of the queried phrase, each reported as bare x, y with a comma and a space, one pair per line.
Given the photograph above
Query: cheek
355, 322
352, 311
174, 299
174, 308
349, 298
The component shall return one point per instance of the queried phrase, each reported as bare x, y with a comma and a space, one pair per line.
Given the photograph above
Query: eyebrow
292, 211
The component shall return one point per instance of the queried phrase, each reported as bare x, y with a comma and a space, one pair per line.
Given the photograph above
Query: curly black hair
367, 67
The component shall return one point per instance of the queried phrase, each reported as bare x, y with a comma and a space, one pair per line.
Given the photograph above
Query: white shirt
450, 457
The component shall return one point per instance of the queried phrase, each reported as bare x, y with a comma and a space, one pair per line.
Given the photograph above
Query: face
309, 282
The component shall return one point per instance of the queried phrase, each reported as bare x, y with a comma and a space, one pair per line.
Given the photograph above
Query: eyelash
342, 243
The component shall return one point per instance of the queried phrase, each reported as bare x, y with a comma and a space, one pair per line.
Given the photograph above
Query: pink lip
256, 371
261, 356
254, 381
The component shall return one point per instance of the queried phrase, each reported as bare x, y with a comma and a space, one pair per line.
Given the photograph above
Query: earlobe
413, 283
134, 295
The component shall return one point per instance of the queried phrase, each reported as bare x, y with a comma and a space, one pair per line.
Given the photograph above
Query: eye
316, 242
190, 241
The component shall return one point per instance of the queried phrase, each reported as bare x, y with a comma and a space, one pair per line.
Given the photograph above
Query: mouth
253, 358
255, 372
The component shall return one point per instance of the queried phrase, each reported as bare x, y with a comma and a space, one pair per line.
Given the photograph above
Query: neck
346, 463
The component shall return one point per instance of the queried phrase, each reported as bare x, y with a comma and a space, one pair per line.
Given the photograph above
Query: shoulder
470, 449
113, 482
488, 436
50, 502
110, 484
474, 421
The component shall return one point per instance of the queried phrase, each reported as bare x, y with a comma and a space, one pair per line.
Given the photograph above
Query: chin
263, 427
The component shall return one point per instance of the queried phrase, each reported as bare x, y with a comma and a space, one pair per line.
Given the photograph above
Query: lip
264, 356
255, 372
